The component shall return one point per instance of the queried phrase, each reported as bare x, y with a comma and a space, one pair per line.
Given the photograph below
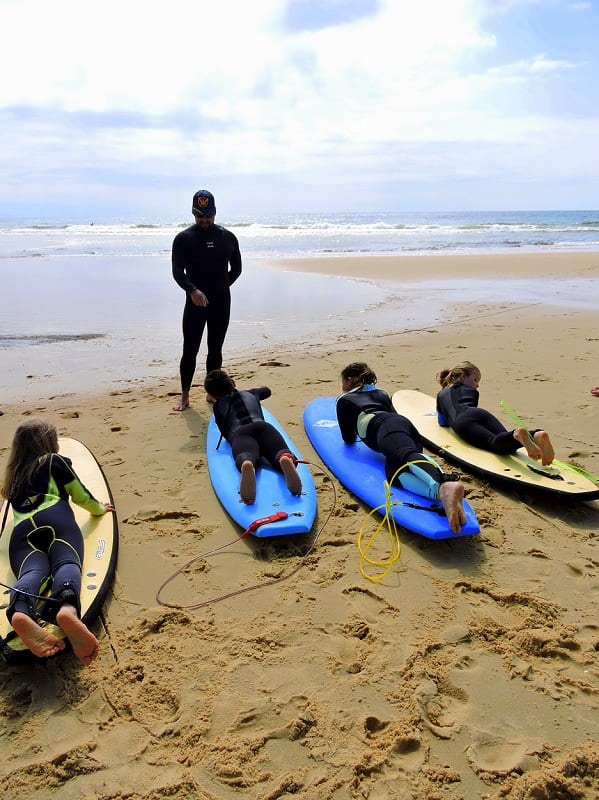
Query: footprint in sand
495, 752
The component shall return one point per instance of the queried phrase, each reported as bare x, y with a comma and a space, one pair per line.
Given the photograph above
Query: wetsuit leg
245, 446
218, 323
32, 568
256, 439
480, 428
272, 444
399, 441
50, 543
194, 321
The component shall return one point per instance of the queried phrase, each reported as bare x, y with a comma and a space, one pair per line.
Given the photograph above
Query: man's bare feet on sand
544, 443
84, 643
292, 478
247, 485
594, 391
183, 402
451, 494
40, 641
533, 450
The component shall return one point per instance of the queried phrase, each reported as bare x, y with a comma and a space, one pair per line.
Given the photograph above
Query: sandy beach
470, 672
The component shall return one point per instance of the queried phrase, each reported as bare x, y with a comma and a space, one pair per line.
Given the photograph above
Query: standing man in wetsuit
206, 262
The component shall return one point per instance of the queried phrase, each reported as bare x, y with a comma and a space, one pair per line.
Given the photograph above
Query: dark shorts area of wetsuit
398, 440
215, 317
255, 440
37, 551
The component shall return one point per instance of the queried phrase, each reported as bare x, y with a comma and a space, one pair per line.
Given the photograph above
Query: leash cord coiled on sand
218, 598
387, 521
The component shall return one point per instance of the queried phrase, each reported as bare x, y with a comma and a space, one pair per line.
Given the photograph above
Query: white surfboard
517, 469
100, 538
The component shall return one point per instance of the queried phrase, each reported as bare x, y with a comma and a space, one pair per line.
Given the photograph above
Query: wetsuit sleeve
80, 495
179, 264
234, 259
441, 416
387, 401
263, 393
346, 420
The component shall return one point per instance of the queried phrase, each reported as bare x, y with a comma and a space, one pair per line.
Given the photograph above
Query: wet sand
469, 672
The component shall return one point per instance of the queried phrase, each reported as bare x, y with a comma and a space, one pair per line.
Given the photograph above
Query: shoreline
426, 267
377, 298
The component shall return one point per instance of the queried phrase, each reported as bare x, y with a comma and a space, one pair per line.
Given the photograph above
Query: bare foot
247, 485
84, 643
547, 452
595, 391
40, 641
522, 435
183, 402
292, 478
451, 494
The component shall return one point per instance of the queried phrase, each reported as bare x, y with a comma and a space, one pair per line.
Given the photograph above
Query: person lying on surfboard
46, 542
238, 415
457, 408
367, 413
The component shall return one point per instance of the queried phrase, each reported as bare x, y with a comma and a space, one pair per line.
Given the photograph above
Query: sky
121, 110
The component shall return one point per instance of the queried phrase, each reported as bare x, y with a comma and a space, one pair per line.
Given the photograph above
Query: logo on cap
203, 202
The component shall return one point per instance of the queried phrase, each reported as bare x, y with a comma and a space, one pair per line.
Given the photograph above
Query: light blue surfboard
362, 472
272, 495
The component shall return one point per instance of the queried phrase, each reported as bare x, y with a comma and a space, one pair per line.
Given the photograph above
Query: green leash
513, 416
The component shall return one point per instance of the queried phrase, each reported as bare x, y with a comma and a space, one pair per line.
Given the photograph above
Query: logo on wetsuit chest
210, 244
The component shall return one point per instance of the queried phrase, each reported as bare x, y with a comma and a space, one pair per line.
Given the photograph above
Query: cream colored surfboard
100, 536
519, 469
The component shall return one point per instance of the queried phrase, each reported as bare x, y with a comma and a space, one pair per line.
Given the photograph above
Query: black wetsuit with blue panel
367, 413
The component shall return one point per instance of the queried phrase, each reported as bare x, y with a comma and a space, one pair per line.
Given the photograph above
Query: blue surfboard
362, 472
295, 514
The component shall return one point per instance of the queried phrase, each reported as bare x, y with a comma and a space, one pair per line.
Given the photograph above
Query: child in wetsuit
238, 415
365, 412
457, 408
46, 543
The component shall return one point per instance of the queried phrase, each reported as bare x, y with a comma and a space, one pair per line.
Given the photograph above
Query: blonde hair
449, 377
33, 442
358, 373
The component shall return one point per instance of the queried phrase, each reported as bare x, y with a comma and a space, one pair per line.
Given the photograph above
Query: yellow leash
364, 544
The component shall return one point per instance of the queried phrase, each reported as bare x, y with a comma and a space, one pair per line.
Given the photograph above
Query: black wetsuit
457, 408
46, 541
207, 259
391, 434
240, 420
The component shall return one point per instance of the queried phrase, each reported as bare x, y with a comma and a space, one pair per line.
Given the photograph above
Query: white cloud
133, 89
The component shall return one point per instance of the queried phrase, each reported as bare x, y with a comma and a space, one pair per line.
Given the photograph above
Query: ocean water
91, 306
304, 235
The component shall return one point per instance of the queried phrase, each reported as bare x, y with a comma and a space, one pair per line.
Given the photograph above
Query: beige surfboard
519, 469
100, 536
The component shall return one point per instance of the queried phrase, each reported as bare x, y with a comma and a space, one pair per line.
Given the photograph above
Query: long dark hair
33, 442
358, 373
218, 383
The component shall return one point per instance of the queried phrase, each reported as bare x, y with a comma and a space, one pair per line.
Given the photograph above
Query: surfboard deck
272, 495
362, 472
518, 469
100, 536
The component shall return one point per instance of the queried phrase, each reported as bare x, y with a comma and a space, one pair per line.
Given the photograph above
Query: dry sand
469, 672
